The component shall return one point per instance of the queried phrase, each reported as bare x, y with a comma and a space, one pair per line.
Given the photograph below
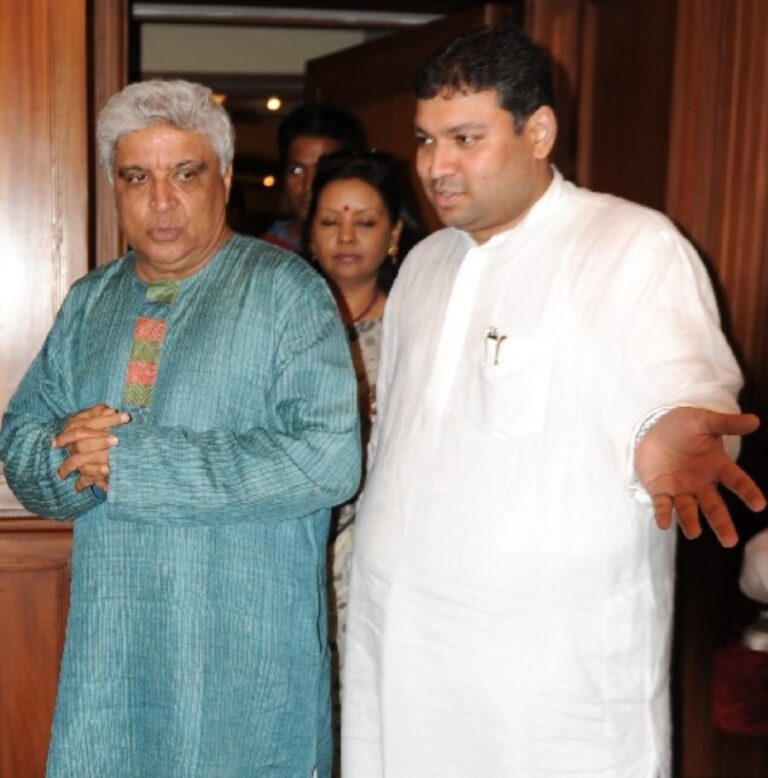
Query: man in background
308, 132
194, 411
552, 374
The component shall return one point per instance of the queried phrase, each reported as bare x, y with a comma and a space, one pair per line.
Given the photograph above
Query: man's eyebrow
196, 163
464, 126
199, 164
121, 171
453, 129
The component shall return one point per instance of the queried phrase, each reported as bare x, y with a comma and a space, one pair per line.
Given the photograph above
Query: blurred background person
354, 233
306, 133
753, 580
740, 664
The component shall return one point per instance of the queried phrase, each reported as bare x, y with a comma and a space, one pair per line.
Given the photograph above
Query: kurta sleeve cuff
31, 463
731, 443
636, 489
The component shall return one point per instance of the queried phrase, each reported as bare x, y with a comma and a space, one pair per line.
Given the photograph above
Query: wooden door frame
110, 20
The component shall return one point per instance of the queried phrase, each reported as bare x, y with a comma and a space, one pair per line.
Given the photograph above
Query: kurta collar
539, 211
204, 271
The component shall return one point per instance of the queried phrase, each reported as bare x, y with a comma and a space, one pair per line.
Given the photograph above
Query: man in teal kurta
193, 410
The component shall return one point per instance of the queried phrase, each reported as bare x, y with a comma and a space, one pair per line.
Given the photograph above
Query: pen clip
492, 334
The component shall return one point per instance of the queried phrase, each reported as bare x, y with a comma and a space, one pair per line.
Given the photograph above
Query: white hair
180, 104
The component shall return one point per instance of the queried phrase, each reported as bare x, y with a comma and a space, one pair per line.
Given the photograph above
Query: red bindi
346, 207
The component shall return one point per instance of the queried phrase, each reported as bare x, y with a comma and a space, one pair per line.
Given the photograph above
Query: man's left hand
681, 461
87, 436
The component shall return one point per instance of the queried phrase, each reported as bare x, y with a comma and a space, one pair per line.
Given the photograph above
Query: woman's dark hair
374, 167
504, 59
386, 174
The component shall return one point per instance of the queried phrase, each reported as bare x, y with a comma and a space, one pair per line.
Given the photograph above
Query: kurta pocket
512, 390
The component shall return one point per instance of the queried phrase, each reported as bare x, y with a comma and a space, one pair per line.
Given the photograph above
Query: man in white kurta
511, 597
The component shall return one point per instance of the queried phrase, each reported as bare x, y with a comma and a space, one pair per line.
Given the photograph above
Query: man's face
171, 200
479, 173
303, 153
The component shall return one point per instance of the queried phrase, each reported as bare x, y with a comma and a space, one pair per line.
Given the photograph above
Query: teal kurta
196, 641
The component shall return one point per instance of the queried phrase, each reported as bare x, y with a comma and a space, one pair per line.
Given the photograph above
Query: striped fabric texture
196, 636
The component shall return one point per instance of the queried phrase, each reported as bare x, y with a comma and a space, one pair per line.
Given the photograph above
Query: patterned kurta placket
148, 335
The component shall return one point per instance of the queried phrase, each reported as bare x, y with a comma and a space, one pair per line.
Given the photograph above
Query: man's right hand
87, 436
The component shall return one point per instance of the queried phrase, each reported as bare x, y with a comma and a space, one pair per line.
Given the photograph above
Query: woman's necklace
367, 309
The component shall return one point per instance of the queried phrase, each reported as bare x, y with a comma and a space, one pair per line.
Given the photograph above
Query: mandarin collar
538, 212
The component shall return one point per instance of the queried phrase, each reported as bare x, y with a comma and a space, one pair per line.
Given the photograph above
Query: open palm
681, 462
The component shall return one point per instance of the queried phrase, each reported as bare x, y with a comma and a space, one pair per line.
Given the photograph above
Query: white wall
195, 48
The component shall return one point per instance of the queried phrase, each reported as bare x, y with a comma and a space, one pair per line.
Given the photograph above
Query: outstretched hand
681, 461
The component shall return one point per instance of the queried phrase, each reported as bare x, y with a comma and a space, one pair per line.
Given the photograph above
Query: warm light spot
268, 181
219, 97
274, 103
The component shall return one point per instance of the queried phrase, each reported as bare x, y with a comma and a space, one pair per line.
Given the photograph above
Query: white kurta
511, 601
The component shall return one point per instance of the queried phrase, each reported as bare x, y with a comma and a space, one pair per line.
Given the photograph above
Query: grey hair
180, 104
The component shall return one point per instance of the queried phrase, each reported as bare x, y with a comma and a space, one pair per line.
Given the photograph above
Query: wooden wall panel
558, 25
718, 193
44, 181
43, 142
624, 117
108, 35
718, 167
34, 599
613, 80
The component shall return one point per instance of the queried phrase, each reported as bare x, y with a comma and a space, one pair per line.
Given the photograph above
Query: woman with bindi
353, 231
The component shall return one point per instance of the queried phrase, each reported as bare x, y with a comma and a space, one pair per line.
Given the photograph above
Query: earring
392, 251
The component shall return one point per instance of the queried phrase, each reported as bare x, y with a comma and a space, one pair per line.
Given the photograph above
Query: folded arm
40, 409
302, 457
304, 454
